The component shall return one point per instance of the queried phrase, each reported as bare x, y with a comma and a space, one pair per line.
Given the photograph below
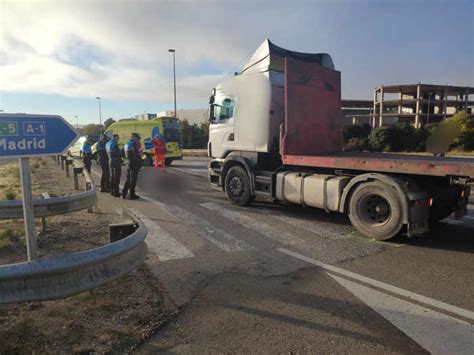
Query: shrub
6, 236
356, 145
10, 194
465, 141
398, 138
356, 131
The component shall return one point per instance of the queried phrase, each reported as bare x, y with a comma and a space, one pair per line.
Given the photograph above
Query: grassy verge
195, 152
12, 231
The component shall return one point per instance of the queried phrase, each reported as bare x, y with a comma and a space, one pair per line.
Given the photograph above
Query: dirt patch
113, 318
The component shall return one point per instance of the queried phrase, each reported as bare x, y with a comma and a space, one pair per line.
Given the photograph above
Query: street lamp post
174, 77
100, 115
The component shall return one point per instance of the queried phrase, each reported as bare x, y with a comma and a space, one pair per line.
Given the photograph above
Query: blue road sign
23, 135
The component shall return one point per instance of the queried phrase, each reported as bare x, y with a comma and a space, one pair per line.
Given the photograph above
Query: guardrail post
43, 224
45, 195
76, 172
68, 162
118, 231
89, 187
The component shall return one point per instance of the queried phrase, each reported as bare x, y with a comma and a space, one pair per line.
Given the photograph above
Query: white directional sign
23, 135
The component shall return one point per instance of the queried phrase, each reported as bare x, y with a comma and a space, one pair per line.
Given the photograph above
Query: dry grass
111, 319
195, 152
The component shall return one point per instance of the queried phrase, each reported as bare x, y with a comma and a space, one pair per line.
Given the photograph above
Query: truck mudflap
462, 202
418, 214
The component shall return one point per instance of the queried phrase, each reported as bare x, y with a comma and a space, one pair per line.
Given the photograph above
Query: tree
465, 141
186, 133
356, 131
108, 122
91, 130
398, 137
194, 136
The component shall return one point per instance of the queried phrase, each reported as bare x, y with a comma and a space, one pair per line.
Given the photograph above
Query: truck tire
237, 186
376, 211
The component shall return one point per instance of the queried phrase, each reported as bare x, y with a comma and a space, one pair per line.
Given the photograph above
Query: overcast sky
57, 56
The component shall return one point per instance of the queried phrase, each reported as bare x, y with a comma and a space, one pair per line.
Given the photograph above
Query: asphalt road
278, 278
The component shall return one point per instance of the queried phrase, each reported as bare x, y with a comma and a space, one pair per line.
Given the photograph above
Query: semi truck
276, 131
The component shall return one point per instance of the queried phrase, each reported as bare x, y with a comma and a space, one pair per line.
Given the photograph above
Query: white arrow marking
160, 242
436, 332
464, 313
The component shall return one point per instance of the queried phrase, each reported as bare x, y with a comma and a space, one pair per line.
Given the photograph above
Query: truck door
221, 130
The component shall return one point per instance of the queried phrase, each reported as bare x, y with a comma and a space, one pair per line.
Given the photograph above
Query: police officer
104, 163
86, 152
115, 162
132, 153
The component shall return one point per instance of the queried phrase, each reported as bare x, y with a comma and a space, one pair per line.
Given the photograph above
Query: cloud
118, 52
78, 52
119, 49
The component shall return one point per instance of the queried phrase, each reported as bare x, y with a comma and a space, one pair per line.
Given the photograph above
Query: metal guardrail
56, 205
68, 274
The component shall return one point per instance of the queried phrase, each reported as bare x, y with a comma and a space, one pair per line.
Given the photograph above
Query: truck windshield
223, 108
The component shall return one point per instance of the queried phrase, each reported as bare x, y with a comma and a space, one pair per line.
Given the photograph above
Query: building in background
419, 104
145, 116
356, 112
194, 116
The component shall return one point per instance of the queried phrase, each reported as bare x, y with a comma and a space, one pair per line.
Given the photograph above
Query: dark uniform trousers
131, 182
116, 170
87, 160
105, 178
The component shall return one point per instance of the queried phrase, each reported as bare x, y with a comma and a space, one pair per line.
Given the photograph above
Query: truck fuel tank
315, 190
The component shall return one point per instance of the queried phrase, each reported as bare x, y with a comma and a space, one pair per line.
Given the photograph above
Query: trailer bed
388, 163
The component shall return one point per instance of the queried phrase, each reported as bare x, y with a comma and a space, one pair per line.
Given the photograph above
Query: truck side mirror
212, 100
211, 113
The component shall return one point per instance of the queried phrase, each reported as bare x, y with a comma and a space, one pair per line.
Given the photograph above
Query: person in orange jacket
159, 150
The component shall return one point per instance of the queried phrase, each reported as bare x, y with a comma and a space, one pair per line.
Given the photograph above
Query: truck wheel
168, 161
237, 186
375, 211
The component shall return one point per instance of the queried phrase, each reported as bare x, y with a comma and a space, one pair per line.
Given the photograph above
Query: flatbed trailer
279, 135
405, 164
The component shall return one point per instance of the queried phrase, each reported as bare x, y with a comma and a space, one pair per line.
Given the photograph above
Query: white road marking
160, 242
260, 227
194, 172
216, 236
436, 332
464, 313
456, 222
311, 227
96, 173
